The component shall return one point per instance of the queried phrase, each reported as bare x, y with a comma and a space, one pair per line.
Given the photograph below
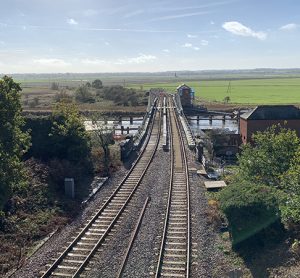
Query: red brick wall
243, 130
247, 128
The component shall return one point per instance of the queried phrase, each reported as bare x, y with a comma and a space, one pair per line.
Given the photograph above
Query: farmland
247, 88
242, 91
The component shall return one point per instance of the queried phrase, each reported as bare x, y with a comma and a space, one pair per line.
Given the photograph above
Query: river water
216, 123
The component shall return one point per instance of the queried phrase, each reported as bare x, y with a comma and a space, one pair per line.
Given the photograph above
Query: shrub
83, 94
250, 209
97, 84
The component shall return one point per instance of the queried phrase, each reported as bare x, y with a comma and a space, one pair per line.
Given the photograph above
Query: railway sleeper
172, 255
173, 275
172, 250
61, 274
169, 268
76, 255
81, 249
90, 238
174, 262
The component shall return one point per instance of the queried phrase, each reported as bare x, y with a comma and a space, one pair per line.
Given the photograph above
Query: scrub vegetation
36, 154
262, 201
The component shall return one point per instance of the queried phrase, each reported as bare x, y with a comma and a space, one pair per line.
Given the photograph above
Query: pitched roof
272, 112
183, 86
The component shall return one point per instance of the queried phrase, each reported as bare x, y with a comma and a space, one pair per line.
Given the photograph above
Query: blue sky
45, 36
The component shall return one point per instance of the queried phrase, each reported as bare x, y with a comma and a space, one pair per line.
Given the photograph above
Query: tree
97, 84
290, 184
83, 94
270, 156
68, 136
103, 137
266, 188
62, 96
13, 141
226, 99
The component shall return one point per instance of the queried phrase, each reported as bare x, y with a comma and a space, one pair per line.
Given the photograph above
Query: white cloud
107, 43
192, 36
141, 59
239, 29
166, 50
189, 45
72, 21
93, 62
51, 62
212, 22
204, 42
178, 16
289, 27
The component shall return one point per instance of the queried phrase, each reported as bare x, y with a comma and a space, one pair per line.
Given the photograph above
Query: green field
248, 91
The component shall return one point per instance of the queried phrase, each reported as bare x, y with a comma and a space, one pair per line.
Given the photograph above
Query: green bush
250, 209
270, 156
84, 95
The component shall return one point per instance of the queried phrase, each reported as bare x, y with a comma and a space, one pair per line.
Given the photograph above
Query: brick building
264, 116
186, 95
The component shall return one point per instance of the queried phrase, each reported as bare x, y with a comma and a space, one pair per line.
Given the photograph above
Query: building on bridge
264, 116
187, 95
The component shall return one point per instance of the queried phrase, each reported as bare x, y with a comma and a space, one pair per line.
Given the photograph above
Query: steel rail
188, 200
184, 160
64, 254
158, 268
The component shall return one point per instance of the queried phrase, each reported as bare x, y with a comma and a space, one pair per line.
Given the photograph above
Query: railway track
76, 256
174, 255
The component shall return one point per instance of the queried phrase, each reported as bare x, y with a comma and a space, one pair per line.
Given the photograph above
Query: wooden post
122, 129
128, 130
131, 120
